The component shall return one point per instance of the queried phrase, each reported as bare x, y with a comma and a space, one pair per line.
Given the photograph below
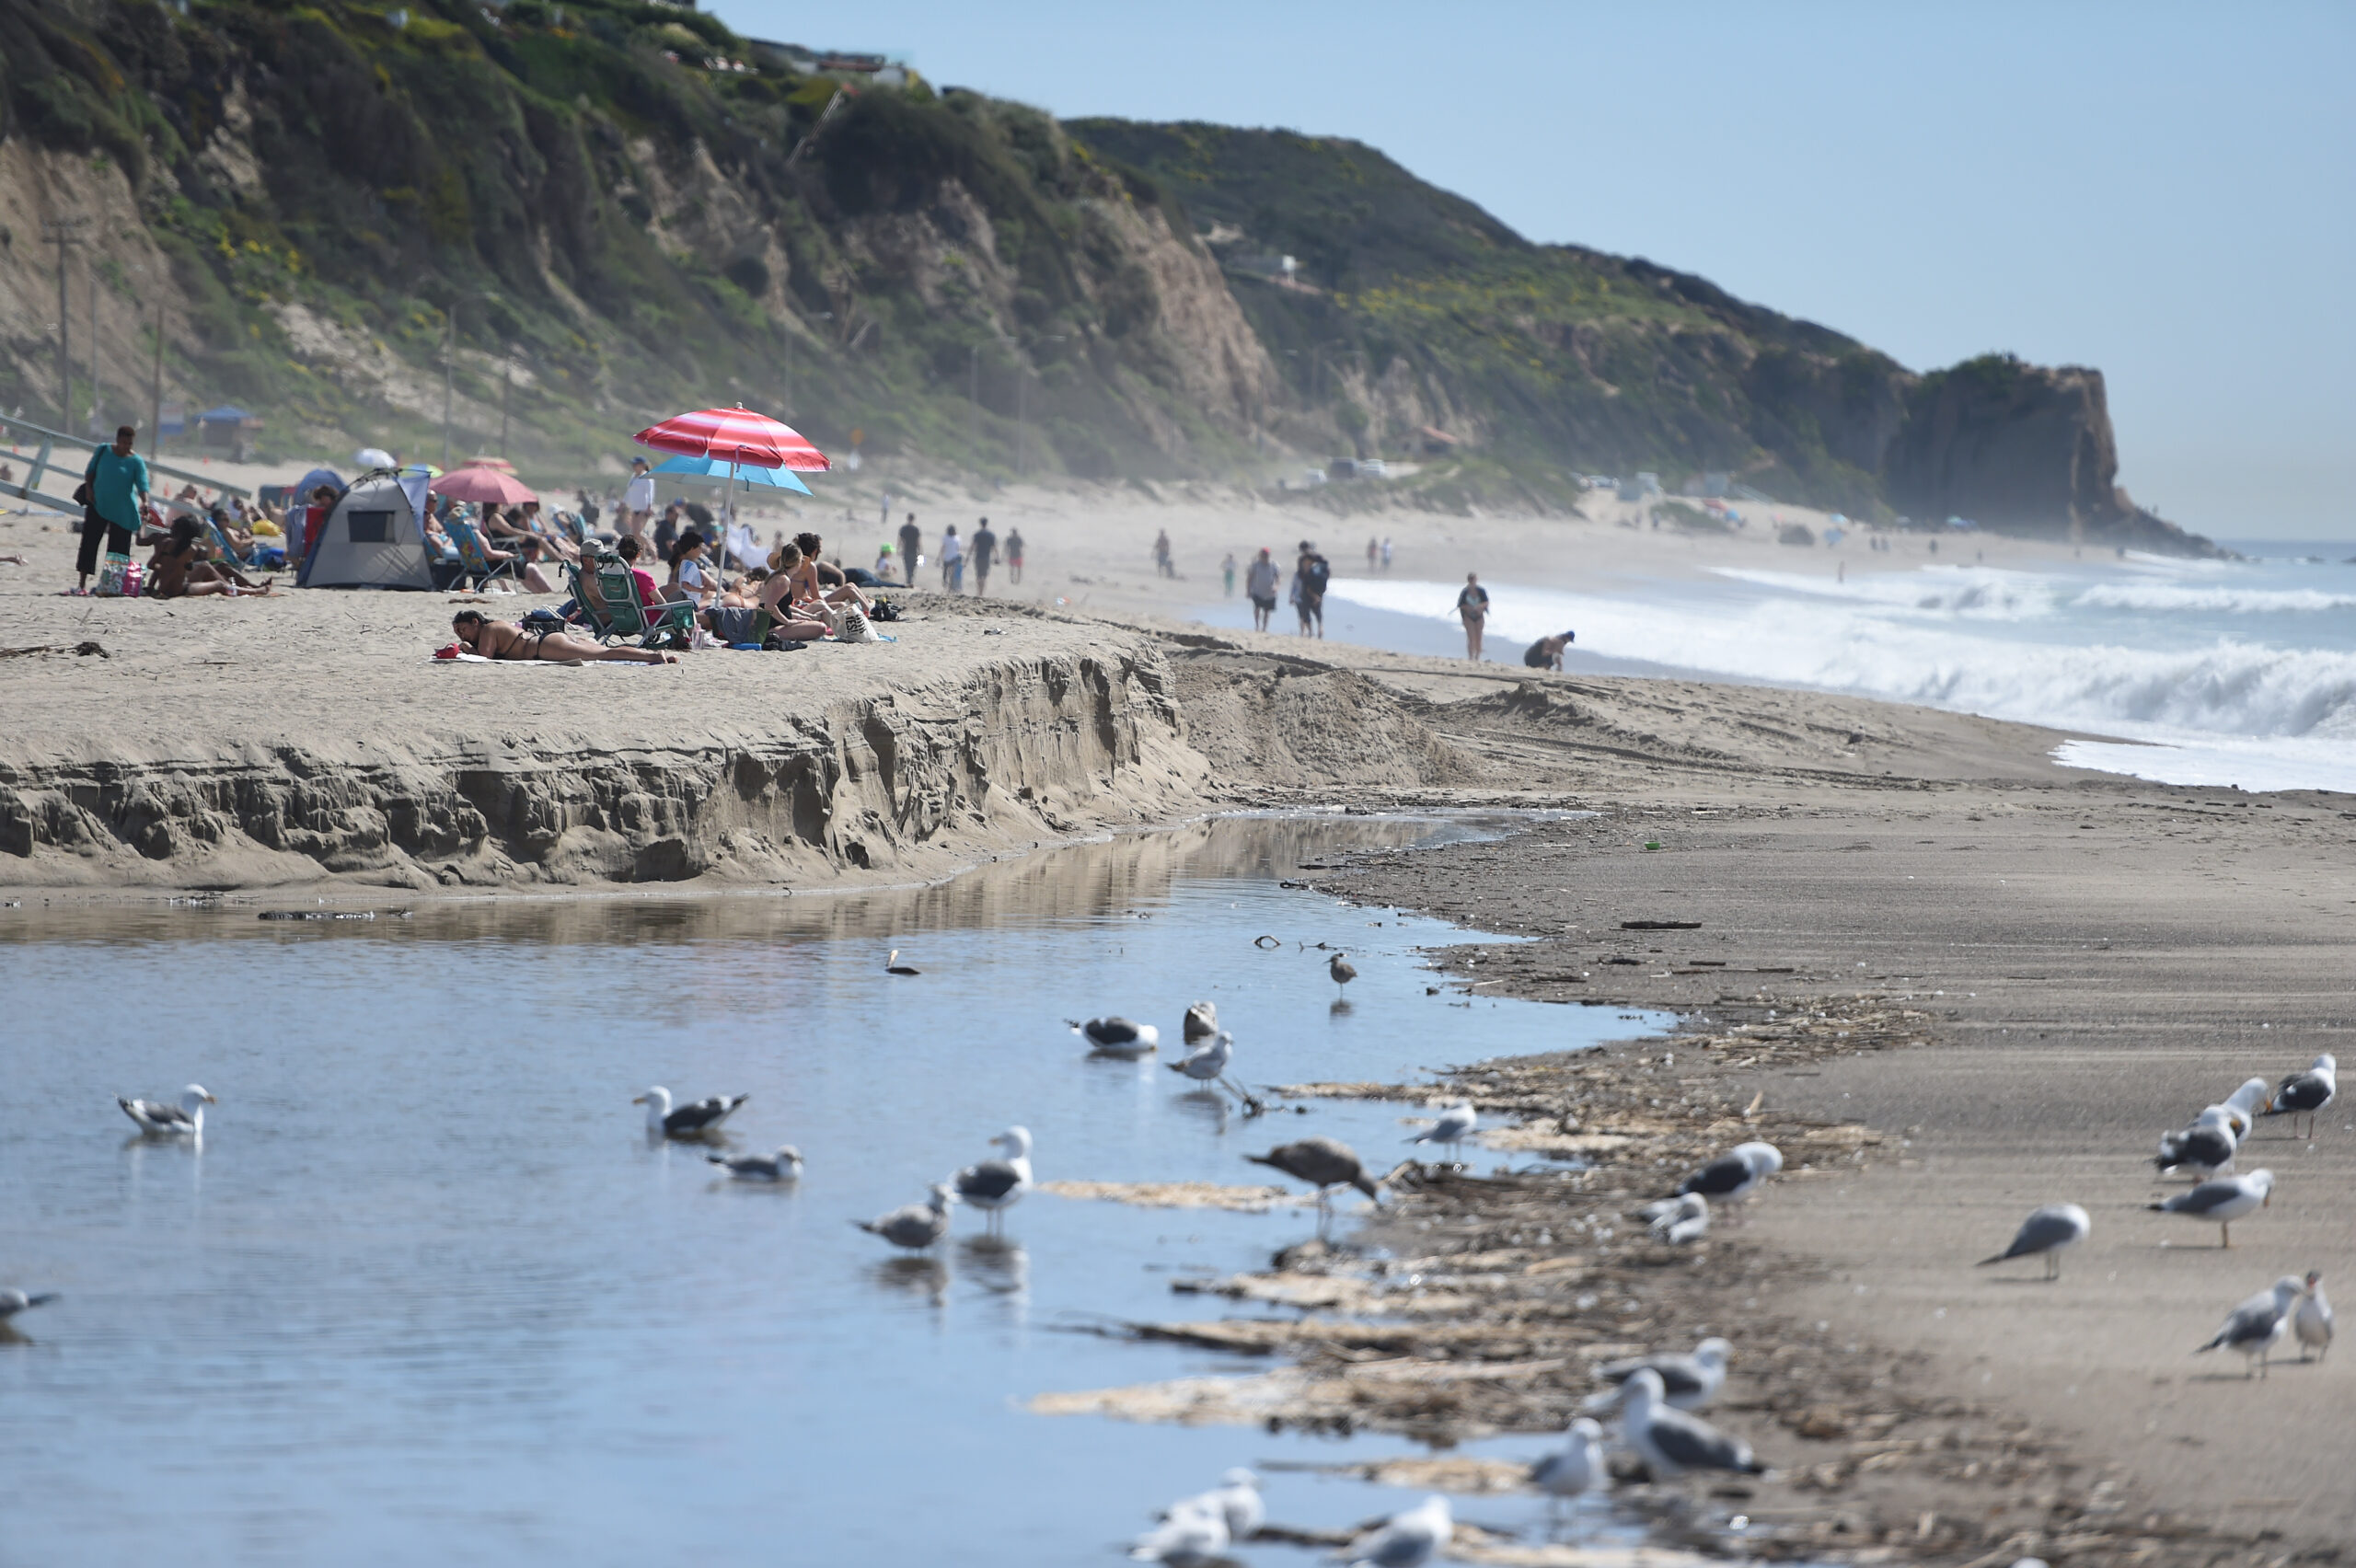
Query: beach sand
2095, 958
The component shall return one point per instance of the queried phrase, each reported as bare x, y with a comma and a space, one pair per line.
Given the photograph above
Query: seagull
2206, 1147
1192, 1534
2048, 1233
2305, 1094
15, 1301
1733, 1176
2312, 1323
159, 1120
1239, 1500
1408, 1539
2246, 1103
1574, 1468
1343, 972
785, 1165
1456, 1123
893, 965
1208, 1065
996, 1185
2223, 1200
1689, 1382
916, 1227
1322, 1163
688, 1120
1671, 1442
2258, 1322
1679, 1220
1121, 1037
1202, 1022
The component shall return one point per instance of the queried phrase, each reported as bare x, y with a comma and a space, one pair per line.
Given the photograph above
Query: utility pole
63, 232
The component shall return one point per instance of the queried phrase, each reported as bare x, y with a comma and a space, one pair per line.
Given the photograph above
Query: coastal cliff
563, 222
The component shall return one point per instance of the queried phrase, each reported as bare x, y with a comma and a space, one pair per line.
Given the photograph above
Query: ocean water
2210, 673
427, 1294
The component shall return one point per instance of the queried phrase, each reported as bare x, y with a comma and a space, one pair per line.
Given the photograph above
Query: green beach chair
605, 595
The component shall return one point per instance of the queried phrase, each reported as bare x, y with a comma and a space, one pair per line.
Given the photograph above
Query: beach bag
1320, 572
884, 611
850, 625
111, 576
736, 624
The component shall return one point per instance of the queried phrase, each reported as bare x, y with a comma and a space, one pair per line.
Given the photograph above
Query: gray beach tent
375, 536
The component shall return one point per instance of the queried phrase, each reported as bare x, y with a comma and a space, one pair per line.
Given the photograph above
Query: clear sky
2162, 191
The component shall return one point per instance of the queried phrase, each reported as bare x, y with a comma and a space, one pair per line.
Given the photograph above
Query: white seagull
1202, 1022
1733, 1176
2259, 1323
691, 1121
2223, 1200
1122, 1037
1192, 1534
2311, 1323
1679, 1220
2306, 1093
1208, 1064
785, 1165
1575, 1467
1688, 1382
1408, 1539
1239, 1500
2205, 1148
1456, 1123
1671, 1442
159, 1120
996, 1185
916, 1225
15, 1301
2048, 1232
2244, 1103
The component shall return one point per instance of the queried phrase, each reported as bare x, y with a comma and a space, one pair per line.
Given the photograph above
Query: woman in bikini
180, 570
794, 616
815, 579
506, 641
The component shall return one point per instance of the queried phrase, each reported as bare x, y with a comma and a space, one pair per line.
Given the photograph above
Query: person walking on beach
985, 551
1227, 573
952, 561
1311, 574
1161, 566
1386, 552
1260, 587
1473, 605
637, 498
1373, 551
911, 540
1014, 555
116, 483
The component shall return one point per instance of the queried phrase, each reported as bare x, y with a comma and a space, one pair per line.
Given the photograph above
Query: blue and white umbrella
717, 471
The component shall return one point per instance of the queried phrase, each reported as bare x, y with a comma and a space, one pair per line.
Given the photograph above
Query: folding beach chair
474, 562
605, 596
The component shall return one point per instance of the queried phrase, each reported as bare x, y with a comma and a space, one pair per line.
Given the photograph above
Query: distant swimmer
1546, 653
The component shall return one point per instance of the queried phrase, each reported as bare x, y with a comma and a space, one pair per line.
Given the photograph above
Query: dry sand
2097, 958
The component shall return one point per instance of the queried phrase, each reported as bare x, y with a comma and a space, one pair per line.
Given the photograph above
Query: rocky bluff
594, 213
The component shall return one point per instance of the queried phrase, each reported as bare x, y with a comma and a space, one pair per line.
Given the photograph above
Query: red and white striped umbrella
736, 435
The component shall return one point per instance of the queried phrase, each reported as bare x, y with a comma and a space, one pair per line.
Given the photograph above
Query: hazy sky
2162, 191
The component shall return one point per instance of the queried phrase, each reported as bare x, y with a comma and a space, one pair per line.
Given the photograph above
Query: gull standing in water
1192, 1534
996, 1185
1208, 1065
1239, 1500
2048, 1232
1575, 1468
1671, 1442
1456, 1123
158, 1119
2306, 1094
2205, 1148
2259, 1323
1688, 1382
785, 1165
1343, 972
691, 1121
1122, 1037
1406, 1541
2311, 1323
2223, 1200
1322, 1162
916, 1225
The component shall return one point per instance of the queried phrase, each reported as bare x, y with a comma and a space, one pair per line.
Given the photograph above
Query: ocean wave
2169, 596
1978, 592
2225, 686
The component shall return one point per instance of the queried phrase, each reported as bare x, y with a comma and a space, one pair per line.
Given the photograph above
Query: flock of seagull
1656, 1398
2206, 1150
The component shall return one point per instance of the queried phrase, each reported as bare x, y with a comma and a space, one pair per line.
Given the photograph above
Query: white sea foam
2175, 597
1975, 593
2218, 685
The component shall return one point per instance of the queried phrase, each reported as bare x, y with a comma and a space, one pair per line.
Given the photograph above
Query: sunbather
815, 580
795, 618
506, 641
180, 570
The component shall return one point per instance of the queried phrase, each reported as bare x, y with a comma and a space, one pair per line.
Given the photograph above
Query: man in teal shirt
118, 480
